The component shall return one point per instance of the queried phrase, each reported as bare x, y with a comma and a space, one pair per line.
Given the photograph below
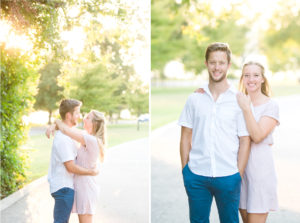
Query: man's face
217, 66
75, 116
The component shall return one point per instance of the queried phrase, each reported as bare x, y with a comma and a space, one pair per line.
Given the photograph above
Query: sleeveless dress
86, 187
259, 183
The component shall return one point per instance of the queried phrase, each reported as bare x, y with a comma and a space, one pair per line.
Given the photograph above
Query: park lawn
167, 103
117, 134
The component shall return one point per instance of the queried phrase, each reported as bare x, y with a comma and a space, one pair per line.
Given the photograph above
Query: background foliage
95, 89
111, 30
183, 31
49, 93
17, 88
281, 40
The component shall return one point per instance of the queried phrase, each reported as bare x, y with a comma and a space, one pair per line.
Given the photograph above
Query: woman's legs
85, 218
253, 217
257, 218
244, 215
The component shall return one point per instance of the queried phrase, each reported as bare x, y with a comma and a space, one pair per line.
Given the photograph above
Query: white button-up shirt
64, 149
217, 127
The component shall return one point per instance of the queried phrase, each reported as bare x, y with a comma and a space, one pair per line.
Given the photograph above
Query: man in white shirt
62, 165
215, 144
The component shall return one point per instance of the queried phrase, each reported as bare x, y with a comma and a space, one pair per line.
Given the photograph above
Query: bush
18, 85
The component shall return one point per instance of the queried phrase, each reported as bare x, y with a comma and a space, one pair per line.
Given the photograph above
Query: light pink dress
259, 183
86, 187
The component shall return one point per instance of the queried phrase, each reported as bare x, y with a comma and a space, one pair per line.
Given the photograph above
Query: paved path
168, 198
37, 130
124, 190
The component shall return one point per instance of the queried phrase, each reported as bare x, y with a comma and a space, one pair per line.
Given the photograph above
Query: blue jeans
200, 191
64, 199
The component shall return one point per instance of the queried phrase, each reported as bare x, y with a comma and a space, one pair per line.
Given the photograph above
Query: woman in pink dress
92, 148
259, 183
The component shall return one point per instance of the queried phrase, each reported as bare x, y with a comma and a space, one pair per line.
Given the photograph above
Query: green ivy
18, 85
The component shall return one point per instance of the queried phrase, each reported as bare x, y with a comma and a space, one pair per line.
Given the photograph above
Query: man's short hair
224, 47
68, 105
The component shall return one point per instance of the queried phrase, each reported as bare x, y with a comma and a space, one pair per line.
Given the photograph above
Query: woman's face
252, 78
88, 124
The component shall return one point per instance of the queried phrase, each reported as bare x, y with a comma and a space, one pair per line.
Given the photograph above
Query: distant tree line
182, 31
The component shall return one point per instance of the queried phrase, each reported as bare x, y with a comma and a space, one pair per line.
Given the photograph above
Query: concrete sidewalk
169, 202
124, 190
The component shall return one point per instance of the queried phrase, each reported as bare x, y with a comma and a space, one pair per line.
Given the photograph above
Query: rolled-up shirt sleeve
187, 115
65, 150
241, 124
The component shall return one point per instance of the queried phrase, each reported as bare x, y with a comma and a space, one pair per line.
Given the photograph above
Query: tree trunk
110, 117
81, 124
117, 118
50, 114
138, 122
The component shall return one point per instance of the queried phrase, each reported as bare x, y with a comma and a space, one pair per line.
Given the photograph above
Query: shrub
18, 85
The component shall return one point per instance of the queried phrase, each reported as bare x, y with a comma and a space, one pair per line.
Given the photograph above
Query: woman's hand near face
244, 101
199, 90
50, 129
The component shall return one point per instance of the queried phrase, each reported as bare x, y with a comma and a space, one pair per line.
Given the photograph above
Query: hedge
18, 85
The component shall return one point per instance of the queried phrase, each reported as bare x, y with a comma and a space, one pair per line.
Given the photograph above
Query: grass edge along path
168, 102
116, 134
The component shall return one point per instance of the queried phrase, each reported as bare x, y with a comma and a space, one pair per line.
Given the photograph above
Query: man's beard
73, 121
218, 80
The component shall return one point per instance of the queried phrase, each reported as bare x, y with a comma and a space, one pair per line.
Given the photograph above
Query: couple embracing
72, 170
226, 140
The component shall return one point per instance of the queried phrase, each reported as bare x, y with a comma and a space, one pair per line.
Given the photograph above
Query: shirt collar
231, 88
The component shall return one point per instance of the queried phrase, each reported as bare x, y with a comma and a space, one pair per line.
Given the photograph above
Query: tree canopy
280, 42
95, 88
49, 93
183, 31
137, 97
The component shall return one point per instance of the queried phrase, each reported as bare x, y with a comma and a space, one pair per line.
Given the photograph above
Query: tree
281, 40
49, 93
95, 88
183, 31
137, 97
44, 21
125, 71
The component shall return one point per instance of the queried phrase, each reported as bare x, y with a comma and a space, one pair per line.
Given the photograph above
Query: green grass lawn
116, 134
167, 103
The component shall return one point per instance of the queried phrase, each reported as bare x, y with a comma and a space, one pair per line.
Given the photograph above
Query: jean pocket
66, 190
184, 168
239, 175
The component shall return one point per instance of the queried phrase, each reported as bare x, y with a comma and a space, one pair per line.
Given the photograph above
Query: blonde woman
92, 148
259, 183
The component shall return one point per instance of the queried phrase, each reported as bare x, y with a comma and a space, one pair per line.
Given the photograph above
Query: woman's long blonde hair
99, 131
265, 87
